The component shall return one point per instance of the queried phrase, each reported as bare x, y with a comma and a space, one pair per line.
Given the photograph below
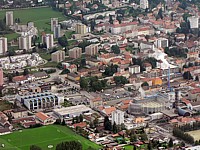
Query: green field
43, 137
40, 16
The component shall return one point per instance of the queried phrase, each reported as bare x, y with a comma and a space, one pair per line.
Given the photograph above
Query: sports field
43, 137
40, 16
195, 134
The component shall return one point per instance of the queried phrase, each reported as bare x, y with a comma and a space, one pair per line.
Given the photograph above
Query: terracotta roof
41, 116
109, 110
81, 125
19, 78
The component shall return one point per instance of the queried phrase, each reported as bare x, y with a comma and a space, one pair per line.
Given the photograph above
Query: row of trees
188, 127
120, 80
69, 145
184, 136
77, 119
110, 70
92, 83
176, 52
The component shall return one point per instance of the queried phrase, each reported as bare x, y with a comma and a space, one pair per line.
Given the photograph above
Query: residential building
80, 28
58, 56
194, 22
48, 40
144, 4
75, 52
96, 102
56, 31
25, 42
35, 101
54, 22
161, 43
9, 18
134, 69
3, 45
117, 117
91, 49
1, 77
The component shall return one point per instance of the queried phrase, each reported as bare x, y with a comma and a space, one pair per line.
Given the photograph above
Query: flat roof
73, 109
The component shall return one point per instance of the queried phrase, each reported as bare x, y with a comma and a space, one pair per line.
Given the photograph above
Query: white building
3, 45
48, 40
117, 117
194, 22
162, 43
9, 18
25, 42
54, 22
144, 4
40, 100
134, 69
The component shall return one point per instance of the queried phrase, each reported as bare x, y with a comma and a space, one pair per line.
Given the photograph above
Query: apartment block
75, 52
58, 56
54, 22
91, 49
3, 45
48, 40
25, 42
80, 28
9, 18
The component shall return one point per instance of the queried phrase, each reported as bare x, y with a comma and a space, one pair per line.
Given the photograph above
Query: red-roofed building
108, 110
80, 125
43, 118
96, 102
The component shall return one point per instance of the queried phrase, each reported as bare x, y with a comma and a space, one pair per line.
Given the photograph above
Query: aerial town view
99, 74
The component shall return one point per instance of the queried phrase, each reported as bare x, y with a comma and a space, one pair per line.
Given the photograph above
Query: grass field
43, 137
195, 134
40, 16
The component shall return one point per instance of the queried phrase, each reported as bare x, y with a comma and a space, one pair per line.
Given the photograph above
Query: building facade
194, 22
9, 18
54, 22
48, 40
56, 31
91, 49
80, 28
75, 52
161, 43
58, 56
144, 4
25, 42
1, 77
117, 117
40, 100
3, 45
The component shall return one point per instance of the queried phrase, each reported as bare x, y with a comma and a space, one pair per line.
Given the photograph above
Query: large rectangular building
91, 49
3, 45
80, 28
9, 18
54, 22
48, 40
25, 42
56, 31
72, 111
75, 52
118, 117
58, 56
35, 101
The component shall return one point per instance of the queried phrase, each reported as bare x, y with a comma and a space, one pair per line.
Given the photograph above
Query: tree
69, 145
107, 124
63, 122
160, 14
170, 144
149, 146
133, 138
26, 72
83, 83
65, 71
197, 78
115, 49
120, 80
81, 118
34, 147
114, 128
187, 75
144, 84
10, 77
63, 41
11, 52
110, 19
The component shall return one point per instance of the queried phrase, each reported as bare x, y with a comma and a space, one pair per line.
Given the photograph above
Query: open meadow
43, 137
40, 16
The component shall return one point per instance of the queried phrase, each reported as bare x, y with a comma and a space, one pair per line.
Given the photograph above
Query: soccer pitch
43, 137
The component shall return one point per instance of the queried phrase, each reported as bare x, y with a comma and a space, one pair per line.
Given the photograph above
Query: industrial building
72, 111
